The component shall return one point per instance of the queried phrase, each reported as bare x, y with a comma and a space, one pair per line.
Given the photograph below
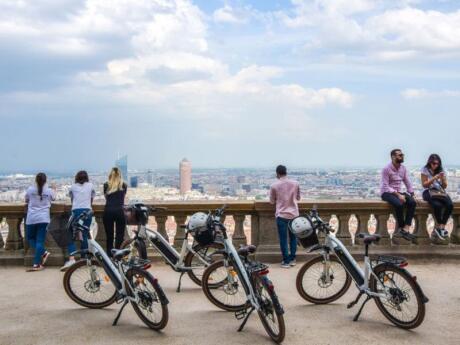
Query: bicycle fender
163, 299
268, 283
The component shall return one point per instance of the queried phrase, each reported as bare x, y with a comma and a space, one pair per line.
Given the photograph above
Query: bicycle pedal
240, 314
351, 305
119, 299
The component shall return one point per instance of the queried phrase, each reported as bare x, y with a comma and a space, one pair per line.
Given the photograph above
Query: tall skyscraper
122, 164
134, 181
185, 174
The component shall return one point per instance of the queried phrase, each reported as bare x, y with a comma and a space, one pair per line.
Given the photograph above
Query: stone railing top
247, 207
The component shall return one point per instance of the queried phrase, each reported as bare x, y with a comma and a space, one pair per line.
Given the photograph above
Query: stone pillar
179, 235
255, 229
363, 220
382, 229
455, 236
161, 226
2, 243
343, 233
239, 236
14, 241
420, 229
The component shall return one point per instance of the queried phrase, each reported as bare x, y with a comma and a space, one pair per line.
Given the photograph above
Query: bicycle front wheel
403, 304
321, 282
223, 288
194, 261
270, 313
87, 284
151, 304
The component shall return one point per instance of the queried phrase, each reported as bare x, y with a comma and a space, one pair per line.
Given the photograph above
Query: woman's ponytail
40, 180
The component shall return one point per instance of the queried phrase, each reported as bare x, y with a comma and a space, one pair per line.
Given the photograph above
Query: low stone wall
261, 231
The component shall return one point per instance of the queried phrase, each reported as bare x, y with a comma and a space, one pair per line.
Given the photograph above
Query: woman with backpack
81, 194
38, 199
434, 182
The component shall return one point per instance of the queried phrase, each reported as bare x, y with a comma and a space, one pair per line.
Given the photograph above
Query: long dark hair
81, 177
434, 157
40, 180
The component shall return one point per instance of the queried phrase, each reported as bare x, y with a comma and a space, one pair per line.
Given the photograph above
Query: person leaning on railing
38, 201
434, 182
393, 175
114, 216
81, 194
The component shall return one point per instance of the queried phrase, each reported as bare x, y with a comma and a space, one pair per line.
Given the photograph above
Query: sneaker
67, 265
401, 233
438, 234
285, 265
444, 233
45, 257
36, 267
293, 263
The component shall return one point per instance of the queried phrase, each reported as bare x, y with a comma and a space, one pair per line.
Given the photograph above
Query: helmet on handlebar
201, 228
303, 229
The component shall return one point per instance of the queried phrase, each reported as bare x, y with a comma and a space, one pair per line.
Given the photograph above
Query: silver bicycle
96, 281
328, 276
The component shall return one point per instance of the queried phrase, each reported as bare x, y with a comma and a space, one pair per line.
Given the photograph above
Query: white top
81, 195
38, 208
436, 184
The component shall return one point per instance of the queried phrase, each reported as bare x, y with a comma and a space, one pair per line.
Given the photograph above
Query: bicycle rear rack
390, 259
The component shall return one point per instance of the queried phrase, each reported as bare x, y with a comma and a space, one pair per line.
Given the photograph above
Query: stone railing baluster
343, 233
382, 229
14, 240
421, 229
161, 225
455, 236
179, 235
239, 237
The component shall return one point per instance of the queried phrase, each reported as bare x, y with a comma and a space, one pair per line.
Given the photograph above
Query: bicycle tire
305, 295
208, 287
158, 292
418, 294
189, 258
74, 296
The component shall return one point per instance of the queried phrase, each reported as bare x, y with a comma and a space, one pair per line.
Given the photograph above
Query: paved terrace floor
34, 309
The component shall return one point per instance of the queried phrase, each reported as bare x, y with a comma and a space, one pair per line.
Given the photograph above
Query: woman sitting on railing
81, 194
434, 182
38, 199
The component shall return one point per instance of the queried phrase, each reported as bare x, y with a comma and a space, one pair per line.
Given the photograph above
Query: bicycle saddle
368, 239
246, 250
118, 254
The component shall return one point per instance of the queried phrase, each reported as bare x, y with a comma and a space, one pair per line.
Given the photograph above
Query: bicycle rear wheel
194, 261
89, 285
315, 286
271, 313
223, 288
152, 306
404, 304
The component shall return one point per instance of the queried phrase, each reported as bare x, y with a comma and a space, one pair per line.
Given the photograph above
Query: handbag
438, 193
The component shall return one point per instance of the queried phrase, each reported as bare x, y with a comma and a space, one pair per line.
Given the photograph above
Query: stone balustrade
253, 222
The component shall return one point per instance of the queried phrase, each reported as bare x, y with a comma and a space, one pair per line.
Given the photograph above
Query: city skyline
236, 83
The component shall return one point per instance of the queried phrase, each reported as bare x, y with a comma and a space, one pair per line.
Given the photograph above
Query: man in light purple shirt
393, 175
285, 193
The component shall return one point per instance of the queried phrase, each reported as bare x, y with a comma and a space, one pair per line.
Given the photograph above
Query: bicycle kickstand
352, 304
245, 319
180, 280
361, 308
125, 302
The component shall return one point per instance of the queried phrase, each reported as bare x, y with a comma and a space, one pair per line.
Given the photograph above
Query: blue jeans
284, 234
84, 243
36, 235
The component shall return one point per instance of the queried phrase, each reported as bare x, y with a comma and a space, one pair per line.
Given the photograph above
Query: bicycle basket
302, 228
137, 214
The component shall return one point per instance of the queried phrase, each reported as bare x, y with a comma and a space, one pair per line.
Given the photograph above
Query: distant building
149, 177
246, 187
185, 176
134, 181
241, 179
122, 164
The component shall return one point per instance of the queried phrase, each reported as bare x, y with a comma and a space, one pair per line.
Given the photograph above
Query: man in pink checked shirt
393, 175
285, 193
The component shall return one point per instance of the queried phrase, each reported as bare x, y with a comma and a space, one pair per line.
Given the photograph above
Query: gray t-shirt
38, 209
81, 195
436, 184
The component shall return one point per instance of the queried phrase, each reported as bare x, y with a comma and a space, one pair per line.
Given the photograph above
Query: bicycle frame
360, 277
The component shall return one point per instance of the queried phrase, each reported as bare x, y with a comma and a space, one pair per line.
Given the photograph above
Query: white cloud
427, 94
227, 14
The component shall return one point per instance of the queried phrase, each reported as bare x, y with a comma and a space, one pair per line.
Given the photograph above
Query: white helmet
301, 227
197, 220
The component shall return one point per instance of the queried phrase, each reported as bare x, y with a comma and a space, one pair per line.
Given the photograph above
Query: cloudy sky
227, 83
